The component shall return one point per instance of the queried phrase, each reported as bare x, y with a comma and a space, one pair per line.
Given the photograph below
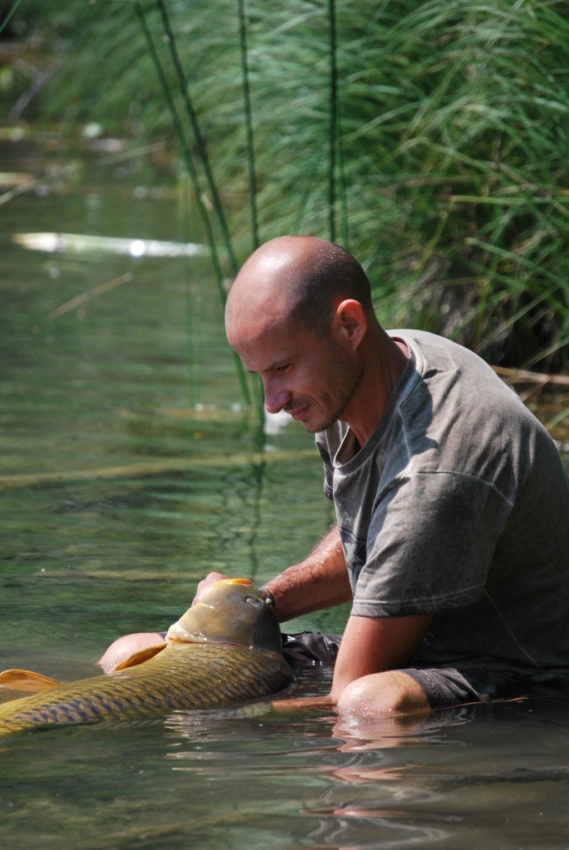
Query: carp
224, 651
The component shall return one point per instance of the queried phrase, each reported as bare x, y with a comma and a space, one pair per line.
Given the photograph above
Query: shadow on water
117, 494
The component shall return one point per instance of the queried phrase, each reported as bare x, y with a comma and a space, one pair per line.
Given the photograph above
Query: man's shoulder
429, 351
458, 383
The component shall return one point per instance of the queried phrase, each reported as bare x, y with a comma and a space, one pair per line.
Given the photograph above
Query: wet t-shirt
457, 506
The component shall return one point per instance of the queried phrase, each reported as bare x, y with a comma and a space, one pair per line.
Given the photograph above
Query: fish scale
181, 676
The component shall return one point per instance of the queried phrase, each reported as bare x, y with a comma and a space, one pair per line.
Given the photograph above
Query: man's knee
389, 694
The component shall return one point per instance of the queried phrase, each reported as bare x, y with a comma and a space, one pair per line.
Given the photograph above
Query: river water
129, 471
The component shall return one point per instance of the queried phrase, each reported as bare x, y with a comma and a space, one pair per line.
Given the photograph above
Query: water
128, 472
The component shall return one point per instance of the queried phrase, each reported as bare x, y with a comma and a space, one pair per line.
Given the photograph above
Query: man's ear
350, 321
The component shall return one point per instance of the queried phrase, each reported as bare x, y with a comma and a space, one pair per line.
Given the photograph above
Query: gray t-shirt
457, 506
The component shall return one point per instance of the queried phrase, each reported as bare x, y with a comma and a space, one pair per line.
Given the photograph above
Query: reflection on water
493, 775
128, 472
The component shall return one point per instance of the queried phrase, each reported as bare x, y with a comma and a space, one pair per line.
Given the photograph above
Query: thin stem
185, 148
248, 123
200, 144
333, 122
180, 132
9, 14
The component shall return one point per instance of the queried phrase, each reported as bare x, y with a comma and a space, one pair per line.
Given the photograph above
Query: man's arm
319, 581
374, 645
368, 679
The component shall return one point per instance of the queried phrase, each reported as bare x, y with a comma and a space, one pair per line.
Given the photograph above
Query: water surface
128, 471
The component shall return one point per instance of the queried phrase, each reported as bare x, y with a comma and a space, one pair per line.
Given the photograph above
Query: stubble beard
336, 404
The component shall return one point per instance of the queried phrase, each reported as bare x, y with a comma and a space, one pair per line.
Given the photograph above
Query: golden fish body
199, 673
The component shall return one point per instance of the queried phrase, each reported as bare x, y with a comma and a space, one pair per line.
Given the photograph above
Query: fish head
229, 611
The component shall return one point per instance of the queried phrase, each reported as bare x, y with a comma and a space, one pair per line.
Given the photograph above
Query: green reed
430, 137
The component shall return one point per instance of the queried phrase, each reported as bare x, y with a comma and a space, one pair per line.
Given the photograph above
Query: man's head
296, 314
306, 276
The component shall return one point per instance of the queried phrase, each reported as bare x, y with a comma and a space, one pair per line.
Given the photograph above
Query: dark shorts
487, 681
443, 686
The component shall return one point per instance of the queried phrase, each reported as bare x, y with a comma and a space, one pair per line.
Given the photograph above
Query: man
451, 499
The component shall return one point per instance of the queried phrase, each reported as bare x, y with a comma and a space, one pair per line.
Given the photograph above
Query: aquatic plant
428, 137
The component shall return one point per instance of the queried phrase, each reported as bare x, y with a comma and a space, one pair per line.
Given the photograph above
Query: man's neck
384, 361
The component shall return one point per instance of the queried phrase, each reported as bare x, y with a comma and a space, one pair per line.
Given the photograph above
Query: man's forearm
320, 581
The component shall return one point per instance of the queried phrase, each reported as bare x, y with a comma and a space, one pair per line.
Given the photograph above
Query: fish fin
141, 656
26, 680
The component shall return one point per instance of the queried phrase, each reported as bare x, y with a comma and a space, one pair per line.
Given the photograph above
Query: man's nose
276, 397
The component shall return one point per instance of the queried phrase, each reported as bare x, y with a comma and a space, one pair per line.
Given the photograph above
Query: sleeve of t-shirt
430, 544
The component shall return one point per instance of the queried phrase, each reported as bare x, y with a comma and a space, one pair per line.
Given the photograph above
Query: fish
226, 650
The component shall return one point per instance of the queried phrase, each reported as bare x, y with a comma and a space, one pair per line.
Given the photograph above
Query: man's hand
206, 582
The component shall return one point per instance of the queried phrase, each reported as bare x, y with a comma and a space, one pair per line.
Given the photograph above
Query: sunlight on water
129, 471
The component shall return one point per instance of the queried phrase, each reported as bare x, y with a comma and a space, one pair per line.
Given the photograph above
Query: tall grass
429, 137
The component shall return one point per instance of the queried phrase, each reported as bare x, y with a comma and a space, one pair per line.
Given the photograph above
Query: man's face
310, 377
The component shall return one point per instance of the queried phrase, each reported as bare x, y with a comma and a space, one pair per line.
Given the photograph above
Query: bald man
452, 504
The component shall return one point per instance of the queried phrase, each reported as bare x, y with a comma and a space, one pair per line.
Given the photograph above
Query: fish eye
254, 601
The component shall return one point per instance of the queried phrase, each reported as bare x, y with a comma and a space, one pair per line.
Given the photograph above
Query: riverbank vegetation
428, 137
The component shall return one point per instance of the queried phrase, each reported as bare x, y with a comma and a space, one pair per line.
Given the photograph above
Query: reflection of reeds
149, 469
435, 133
85, 297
